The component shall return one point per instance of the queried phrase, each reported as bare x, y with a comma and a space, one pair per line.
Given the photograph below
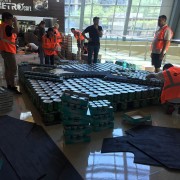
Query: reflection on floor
87, 157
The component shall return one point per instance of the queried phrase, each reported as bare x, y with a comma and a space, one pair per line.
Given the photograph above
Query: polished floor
87, 157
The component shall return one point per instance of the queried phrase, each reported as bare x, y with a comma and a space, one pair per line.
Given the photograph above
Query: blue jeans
91, 50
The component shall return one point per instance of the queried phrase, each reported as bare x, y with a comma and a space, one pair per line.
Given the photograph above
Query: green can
47, 105
57, 105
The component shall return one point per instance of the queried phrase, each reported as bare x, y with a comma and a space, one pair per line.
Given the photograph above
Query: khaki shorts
9, 62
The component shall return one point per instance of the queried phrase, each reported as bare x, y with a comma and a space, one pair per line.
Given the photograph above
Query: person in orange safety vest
59, 37
161, 43
8, 34
79, 37
49, 44
171, 77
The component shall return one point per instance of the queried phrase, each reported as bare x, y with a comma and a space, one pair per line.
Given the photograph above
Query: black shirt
8, 31
93, 34
39, 32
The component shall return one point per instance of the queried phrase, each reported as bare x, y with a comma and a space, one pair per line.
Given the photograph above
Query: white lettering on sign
14, 6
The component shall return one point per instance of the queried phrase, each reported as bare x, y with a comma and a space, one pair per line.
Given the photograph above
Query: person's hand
96, 27
149, 76
89, 39
161, 56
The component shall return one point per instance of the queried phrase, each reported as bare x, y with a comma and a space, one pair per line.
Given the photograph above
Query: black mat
28, 153
121, 144
157, 143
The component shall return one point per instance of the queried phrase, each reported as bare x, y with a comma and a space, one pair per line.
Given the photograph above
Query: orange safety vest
171, 89
48, 44
58, 35
7, 44
78, 35
160, 36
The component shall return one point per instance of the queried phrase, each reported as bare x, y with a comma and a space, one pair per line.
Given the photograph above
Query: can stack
46, 98
76, 122
68, 46
102, 116
6, 100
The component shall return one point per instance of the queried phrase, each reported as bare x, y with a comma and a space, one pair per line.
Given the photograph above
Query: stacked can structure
6, 100
102, 116
75, 120
46, 97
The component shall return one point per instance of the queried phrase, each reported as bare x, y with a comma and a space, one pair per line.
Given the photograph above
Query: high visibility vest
160, 38
78, 35
49, 44
58, 35
7, 44
171, 89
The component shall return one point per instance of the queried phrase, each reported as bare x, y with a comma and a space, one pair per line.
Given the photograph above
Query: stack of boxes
75, 120
102, 116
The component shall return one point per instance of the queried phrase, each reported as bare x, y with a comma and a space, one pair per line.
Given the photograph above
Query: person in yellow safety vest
171, 77
161, 43
80, 39
49, 44
8, 35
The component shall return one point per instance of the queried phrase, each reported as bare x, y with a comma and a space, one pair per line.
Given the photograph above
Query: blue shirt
93, 34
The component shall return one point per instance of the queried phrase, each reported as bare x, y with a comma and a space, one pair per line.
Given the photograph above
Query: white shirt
167, 37
32, 46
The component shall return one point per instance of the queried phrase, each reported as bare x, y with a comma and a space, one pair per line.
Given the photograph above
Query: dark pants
10, 67
49, 59
91, 50
41, 53
156, 61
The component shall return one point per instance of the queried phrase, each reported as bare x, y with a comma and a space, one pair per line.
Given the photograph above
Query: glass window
112, 2
135, 2
134, 11
66, 10
87, 11
88, 1
147, 12
86, 23
75, 10
120, 11
74, 22
122, 2
151, 2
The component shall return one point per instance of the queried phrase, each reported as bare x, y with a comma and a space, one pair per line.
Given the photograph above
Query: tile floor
87, 157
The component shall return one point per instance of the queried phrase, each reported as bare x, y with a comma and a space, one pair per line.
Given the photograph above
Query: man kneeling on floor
171, 89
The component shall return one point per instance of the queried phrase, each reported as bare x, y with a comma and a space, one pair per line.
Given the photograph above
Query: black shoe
14, 89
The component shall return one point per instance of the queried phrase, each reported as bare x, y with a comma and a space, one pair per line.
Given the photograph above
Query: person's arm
166, 43
167, 38
84, 32
155, 75
99, 30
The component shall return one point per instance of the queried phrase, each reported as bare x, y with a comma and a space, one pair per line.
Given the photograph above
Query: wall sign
9, 5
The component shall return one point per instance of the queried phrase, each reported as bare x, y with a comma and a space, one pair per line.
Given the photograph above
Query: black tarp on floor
28, 153
150, 145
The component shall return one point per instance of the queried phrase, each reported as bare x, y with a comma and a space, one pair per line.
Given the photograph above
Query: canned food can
57, 104
47, 105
